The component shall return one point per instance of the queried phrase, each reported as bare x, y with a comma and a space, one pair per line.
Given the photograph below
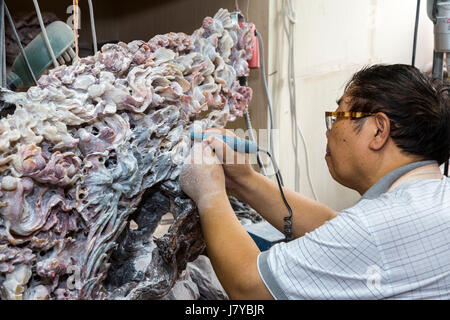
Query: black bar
416, 28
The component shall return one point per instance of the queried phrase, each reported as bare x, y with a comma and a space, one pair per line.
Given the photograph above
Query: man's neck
380, 169
425, 172
419, 170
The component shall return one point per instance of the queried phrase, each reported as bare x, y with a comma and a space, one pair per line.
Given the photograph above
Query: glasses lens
329, 120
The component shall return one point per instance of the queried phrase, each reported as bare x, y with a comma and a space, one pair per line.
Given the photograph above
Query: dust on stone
101, 142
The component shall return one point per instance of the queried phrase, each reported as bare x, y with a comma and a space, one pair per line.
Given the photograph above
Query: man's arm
263, 195
231, 250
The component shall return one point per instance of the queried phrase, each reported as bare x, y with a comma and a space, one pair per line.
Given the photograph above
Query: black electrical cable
288, 220
416, 28
248, 123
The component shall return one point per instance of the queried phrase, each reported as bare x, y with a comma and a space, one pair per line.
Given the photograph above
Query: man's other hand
236, 165
202, 177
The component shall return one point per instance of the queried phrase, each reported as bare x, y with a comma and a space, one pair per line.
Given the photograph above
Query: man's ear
381, 132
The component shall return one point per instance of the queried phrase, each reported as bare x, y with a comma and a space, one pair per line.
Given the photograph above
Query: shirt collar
384, 183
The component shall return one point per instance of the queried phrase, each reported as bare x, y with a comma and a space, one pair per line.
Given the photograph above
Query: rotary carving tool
236, 143
250, 147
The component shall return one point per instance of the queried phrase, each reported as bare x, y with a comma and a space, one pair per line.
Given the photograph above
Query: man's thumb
223, 152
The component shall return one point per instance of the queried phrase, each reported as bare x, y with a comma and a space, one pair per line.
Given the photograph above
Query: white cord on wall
289, 16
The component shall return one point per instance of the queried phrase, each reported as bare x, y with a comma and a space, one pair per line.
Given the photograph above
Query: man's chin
346, 182
332, 171
330, 168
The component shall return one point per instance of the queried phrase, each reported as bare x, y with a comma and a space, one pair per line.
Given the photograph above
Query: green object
61, 38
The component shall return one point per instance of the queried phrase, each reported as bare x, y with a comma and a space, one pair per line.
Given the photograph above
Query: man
386, 140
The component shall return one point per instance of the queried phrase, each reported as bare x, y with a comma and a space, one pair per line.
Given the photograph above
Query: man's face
346, 149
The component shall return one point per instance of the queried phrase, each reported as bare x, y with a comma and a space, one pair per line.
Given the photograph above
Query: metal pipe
438, 65
19, 44
44, 33
94, 35
448, 63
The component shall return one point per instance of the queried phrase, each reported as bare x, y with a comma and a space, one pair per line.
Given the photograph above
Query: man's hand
202, 177
230, 248
235, 165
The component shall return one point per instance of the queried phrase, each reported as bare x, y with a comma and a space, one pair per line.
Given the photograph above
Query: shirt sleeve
338, 260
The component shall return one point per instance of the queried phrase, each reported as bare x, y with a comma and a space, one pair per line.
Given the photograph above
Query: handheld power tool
250, 147
237, 144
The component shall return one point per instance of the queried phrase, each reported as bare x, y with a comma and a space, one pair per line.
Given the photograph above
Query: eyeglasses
332, 117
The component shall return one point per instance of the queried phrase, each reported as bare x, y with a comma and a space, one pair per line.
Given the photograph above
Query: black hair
417, 106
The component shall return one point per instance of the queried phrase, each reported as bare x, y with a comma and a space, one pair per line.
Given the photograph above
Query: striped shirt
393, 244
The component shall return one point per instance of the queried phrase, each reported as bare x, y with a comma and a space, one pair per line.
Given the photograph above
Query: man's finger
223, 151
209, 157
196, 155
220, 131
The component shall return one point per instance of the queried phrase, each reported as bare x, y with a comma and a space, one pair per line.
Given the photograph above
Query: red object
254, 62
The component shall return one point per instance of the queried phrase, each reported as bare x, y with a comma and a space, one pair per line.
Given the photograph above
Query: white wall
334, 38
